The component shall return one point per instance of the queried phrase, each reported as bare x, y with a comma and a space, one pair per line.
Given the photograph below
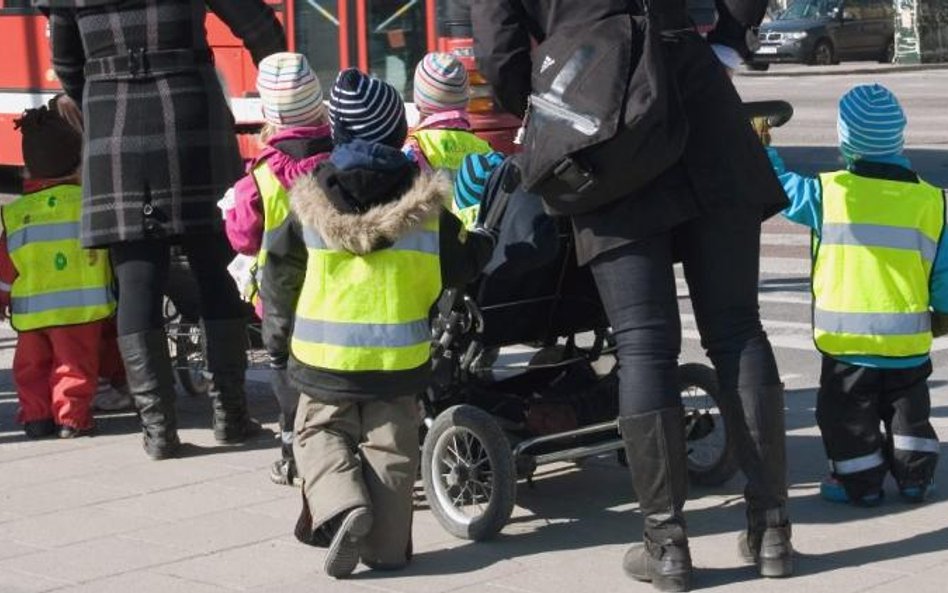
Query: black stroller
491, 423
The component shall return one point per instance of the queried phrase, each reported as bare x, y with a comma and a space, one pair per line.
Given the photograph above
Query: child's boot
343, 555
917, 492
151, 383
832, 489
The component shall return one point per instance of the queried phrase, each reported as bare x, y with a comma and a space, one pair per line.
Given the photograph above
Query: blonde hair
268, 131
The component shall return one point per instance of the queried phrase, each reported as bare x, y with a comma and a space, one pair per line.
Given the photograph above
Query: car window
855, 10
809, 9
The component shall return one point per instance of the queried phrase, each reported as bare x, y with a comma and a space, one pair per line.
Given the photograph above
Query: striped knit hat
291, 93
364, 107
871, 123
472, 178
441, 84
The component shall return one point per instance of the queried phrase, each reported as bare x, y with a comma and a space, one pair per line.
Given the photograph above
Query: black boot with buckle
766, 542
151, 383
655, 449
226, 344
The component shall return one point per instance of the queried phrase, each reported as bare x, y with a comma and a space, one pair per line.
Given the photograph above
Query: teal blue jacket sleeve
939, 282
804, 192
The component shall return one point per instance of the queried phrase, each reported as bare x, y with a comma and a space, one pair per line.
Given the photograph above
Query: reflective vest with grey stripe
873, 259
276, 207
58, 283
365, 313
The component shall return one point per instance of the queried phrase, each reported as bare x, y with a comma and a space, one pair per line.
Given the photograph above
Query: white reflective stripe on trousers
872, 324
919, 444
858, 464
65, 299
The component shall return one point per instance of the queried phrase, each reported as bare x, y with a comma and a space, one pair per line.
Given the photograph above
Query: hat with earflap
52, 147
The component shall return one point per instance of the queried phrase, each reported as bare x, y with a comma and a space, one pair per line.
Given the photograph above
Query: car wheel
888, 54
758, 66
823, 54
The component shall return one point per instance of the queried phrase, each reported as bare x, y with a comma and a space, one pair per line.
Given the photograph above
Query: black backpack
604, 117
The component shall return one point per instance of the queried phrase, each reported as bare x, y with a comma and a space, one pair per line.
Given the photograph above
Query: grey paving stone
65, 527
40, 499
11, 549
94, 559
14, 581
253, 567
186, 502
143, 581
213, 532
149, 476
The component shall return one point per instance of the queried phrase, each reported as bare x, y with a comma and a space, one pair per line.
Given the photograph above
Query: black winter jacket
723, 165
382, 206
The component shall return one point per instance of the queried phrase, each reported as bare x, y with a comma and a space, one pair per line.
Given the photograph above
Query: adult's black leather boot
226, 344
151, 383
655, 449
766, 542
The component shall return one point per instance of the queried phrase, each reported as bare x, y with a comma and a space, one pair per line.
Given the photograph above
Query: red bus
385, 37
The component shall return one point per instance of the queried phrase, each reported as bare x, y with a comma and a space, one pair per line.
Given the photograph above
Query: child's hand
762, 127
4, 311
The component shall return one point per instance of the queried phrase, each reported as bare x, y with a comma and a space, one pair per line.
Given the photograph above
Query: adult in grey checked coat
159, 152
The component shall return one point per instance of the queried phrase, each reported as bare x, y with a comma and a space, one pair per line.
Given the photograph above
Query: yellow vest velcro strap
909, 443
874, 324
59, 231
876, 235
362, 335
859, 464
422, 241
39, 303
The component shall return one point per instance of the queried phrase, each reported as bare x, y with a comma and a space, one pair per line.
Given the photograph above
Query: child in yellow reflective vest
880, 278
58, 296
443, 136
378, 245
297, 138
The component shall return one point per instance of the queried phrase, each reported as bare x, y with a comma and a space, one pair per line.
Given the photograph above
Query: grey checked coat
159, 148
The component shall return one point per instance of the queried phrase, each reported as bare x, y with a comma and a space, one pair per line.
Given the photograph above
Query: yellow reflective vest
872, 263
59, 283
276, 207
445, 150
364, 313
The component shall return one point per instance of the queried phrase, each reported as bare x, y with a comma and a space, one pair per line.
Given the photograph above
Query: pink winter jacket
244, 222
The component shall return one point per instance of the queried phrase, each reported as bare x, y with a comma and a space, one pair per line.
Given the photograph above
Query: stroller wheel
712, 450
468, 473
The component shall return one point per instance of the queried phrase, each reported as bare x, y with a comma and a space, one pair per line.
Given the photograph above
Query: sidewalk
840, 69
95, 516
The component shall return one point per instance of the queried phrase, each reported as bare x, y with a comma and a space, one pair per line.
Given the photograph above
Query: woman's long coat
159, 148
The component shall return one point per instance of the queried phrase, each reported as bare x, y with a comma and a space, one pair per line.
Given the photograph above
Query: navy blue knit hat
472, 178
366, 108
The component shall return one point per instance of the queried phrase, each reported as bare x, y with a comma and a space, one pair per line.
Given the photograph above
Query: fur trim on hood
379, 226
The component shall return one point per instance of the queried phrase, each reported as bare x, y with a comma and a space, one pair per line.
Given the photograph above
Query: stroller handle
777, 112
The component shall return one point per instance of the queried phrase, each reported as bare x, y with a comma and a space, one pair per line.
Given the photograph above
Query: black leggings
720, 252
141, 269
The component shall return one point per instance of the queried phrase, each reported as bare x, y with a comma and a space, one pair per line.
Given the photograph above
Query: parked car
823, 32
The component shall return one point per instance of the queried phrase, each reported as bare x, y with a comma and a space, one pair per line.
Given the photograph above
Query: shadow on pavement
591, 504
